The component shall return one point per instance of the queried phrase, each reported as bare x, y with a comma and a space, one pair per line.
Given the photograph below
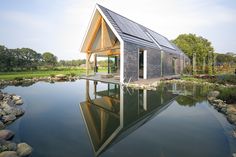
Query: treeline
226, 59
201, 53
21, 59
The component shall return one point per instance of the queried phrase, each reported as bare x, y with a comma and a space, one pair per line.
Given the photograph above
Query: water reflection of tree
186, 101
190, 94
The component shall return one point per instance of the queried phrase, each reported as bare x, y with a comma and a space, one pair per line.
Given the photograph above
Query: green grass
44, 73
39, 73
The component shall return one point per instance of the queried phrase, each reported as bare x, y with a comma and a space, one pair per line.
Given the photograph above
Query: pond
88, 119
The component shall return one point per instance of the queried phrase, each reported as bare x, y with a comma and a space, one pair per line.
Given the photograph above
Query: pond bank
28, 82
9, 112
227, 109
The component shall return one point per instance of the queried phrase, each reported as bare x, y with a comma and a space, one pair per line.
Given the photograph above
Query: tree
26, 58
199, 49
49, 59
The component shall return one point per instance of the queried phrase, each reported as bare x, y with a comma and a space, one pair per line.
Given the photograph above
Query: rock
234, 155
23, 149
231, 109
6, 134
60, 77
19, 102
213, 94
8, 118
14, 111
2, 113
2, 126
211, 98
16, 97
1, 96
7, 146
232, 118
8, 154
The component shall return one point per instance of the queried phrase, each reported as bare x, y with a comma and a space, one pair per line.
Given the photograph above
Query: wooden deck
152, 80
102, 78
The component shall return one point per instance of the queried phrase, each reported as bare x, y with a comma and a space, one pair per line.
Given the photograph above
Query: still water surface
88, 119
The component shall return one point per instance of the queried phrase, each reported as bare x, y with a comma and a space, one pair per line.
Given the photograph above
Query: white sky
59, 26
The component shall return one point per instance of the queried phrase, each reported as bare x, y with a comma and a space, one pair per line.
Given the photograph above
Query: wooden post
108, 64
87, 64
95, 63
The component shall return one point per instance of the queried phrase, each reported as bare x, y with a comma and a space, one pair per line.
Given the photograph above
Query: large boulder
8, 154
23, 149
6, 134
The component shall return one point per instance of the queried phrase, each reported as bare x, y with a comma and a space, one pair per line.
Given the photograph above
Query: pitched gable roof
129, 31
135, 33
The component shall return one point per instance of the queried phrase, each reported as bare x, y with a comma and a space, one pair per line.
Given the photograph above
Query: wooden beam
105, 37
96, 28
104, 49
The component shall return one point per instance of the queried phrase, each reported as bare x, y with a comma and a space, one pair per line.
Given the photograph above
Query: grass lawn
44, 73
38, 73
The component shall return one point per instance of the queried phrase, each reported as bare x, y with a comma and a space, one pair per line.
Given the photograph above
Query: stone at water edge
234, 154
2, 126
213, 94
8, 118
7, 146
6, 134
1, 96
16, 97
8, 154
19, 102
23, 149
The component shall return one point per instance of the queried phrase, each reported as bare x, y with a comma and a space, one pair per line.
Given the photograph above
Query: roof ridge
131, 20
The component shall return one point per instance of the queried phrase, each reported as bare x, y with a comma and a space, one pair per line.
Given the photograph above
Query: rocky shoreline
227, 109
10, 110
28, 82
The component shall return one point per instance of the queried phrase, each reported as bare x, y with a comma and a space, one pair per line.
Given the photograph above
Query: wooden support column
108, 64
87, 90
95, 64
87, 64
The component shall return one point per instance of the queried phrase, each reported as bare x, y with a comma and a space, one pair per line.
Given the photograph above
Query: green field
44, 73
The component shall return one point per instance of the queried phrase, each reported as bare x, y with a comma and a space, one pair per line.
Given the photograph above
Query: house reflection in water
112, 114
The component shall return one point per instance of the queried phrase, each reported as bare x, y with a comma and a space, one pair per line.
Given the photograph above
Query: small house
134, 51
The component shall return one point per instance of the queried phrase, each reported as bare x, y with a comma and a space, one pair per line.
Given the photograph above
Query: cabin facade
134, 52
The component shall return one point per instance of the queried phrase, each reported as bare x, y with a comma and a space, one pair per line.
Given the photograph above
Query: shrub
18, 78
52, 75
228, 95
72, 74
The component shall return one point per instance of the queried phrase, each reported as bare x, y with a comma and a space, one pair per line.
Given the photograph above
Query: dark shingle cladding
133, 32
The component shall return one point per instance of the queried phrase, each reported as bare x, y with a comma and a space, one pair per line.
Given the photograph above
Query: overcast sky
58, 26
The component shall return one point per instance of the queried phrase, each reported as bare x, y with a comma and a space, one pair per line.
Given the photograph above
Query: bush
228, 95
187, 69
18, 78
72, 74
52, 75
224, 79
